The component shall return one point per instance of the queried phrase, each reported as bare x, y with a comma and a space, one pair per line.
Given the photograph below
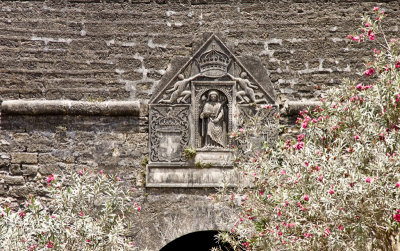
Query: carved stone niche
193, 107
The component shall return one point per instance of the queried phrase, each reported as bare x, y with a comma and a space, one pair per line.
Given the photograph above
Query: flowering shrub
337, 186
88, 214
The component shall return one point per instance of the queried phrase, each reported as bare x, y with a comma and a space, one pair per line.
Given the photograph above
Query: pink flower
340, 227
368, 180
81, 213
50, 178
331, 191
306, 198
381, 136
88, 240
356, 137
327, 232
101, 171
298, 145
397, 65
376, 8
139, 208
372, 37
369, 72
307, 235
283, 172
349, 36
50, 244
246, 244
355, 38
367, 24
320, 178
300, 137
241, 130
31, 248
22, 214
80, 173
397, 216
397, 184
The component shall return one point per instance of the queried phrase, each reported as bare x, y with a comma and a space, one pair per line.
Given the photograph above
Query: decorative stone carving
193, 106
169, 133
213, 125
213, 116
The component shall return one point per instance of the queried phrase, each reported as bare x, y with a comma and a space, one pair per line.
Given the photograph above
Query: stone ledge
70, 107
190, 177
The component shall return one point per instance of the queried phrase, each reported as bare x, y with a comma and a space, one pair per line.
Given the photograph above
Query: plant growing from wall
88, 214
145, 161
189, 152
337, 185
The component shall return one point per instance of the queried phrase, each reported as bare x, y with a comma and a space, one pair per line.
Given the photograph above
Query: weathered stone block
20, 192
3, 191
13, 180
29, 170
52, 169
47, 158
24, 158
15, 169
4, 162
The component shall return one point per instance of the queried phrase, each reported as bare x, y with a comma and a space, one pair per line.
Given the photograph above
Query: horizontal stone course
69, 107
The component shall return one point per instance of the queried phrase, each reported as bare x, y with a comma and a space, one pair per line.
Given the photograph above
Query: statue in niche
179, 93
213, 125
246, 89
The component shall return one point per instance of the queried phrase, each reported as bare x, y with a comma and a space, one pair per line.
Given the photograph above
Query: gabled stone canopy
253, 67
194, 107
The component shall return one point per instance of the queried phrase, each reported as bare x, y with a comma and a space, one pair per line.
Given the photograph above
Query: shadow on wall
197, 241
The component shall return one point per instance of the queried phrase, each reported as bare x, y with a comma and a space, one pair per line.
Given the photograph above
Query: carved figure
212, 122
178, 90
247, 89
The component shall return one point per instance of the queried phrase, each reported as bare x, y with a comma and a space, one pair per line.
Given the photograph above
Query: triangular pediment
213, 61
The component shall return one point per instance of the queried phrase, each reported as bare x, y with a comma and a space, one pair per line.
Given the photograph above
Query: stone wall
102, 50
35, 145
95, 51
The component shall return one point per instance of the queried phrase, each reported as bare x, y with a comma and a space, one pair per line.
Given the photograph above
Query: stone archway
196, 241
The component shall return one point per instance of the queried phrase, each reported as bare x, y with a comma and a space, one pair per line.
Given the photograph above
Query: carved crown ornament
193, 107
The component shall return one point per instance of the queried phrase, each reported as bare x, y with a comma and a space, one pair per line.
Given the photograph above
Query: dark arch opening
197, 241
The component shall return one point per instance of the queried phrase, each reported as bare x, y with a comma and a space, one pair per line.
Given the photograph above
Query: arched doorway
196, 241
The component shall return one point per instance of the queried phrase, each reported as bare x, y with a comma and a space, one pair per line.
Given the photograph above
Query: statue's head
181, 77
243, 75
213, 96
